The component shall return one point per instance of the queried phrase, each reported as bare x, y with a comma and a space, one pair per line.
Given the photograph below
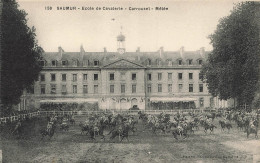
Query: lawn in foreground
71, 146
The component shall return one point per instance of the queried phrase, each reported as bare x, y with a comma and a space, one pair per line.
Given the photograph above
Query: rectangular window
122, 74
169, 76
201, 102
85, 77
201, 87
133, 88
122, 88
42, 77
200, 76
75, 90
96, 89
53, 63
64, 63
95, 76
96, 63
134, 76
149, 88
190, 87
63, 89
159, 87
53, 77
180, 76
190, 75
190, 62
180, 87
63, 77
180, 62
149, 77
112, 76
200, 62
112, 88
42, 89
169, 87
53, 89
159, 76
74, 77
85, 89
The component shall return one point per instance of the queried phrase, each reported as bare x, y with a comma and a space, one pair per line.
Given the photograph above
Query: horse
49, 132
253, 128
83, 128
224, 125
179, 132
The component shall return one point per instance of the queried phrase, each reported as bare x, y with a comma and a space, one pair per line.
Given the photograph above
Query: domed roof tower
121, 43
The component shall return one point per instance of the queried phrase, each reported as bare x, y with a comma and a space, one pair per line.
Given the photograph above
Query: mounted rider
49, 126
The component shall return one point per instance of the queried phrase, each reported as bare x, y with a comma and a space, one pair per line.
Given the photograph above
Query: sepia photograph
129, 81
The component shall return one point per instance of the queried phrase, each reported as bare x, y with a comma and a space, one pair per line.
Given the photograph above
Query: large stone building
121, 79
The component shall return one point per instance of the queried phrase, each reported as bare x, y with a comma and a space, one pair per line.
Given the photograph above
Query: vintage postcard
130, 81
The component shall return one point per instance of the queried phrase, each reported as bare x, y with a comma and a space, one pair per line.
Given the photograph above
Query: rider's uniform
49, 126
251, 124
64, 122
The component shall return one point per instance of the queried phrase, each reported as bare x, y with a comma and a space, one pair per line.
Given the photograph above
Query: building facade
121, 79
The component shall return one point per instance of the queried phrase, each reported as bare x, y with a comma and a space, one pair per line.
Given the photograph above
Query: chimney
105, 49
161, 51
82, 49
61, 51
182, 51
138, 49
202, 52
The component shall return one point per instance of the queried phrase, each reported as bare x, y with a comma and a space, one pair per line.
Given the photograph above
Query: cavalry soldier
49, 126
19, 124
64, 122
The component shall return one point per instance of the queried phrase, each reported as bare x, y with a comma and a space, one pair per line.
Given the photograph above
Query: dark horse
122, 132
49, 133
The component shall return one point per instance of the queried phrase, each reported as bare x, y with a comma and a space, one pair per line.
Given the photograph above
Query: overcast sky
185, 24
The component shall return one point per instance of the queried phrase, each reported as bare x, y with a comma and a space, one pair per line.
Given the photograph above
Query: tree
20, 55
233, 65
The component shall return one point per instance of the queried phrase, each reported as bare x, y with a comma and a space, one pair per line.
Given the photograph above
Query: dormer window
159, 62
149, 62
169, 62
75, 63
54, 63
64, 63
179, 62
96, 63
43, 63
190, 61
200, 62
86, 63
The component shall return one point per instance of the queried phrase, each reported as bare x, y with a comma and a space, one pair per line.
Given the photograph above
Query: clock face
121, 51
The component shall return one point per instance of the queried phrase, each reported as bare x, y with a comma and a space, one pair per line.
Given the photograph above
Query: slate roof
141, 58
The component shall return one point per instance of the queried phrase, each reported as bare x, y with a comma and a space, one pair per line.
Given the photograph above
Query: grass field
71, 146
